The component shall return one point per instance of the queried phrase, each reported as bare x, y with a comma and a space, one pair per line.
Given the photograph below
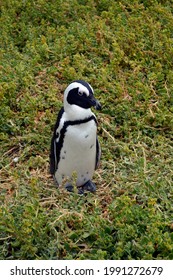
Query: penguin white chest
78, 153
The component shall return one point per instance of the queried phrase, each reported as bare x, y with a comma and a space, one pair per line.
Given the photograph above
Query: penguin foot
69, 187
89, 186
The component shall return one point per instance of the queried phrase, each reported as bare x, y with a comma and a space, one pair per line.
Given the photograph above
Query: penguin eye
80, 93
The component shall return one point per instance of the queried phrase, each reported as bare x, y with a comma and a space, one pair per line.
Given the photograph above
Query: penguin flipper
98, 153
53, 147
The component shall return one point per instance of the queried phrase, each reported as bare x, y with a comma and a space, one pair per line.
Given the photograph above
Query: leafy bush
124, 49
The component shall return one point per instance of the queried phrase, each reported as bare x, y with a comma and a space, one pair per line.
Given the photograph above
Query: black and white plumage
74, 145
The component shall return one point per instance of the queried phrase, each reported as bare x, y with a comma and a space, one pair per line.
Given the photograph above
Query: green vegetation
125, 50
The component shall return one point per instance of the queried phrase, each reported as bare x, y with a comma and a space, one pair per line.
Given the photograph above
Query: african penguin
74, 145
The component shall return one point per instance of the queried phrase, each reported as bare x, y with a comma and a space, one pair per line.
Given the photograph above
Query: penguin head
80, 93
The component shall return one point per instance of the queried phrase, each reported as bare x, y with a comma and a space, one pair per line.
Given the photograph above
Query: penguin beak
98, 105
95, 103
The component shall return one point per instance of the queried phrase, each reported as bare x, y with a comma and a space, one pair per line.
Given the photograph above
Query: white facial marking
91, 87
82, 89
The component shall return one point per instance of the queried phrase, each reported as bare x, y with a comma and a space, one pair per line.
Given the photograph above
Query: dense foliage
124, 49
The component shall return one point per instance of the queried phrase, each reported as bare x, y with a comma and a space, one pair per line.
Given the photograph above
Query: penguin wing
53, 147
98, 153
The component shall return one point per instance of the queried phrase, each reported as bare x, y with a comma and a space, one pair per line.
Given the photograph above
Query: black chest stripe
59, 144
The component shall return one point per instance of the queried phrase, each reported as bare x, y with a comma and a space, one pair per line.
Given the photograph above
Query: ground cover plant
124, 49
